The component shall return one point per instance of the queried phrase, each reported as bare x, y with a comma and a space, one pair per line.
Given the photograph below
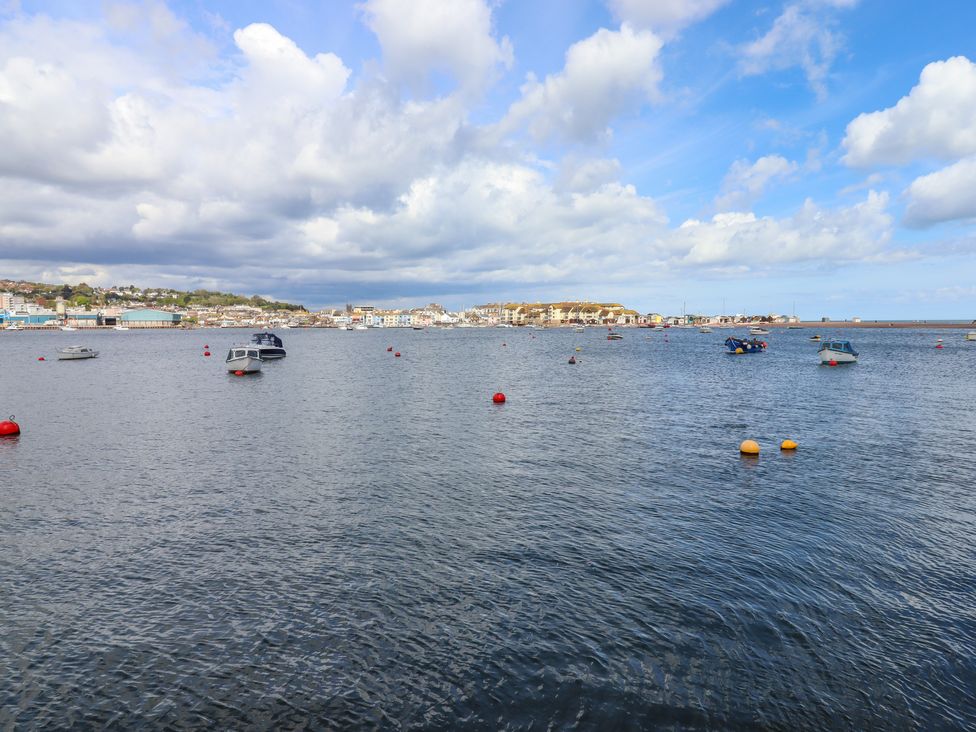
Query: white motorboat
76, 353
244, 358
67, 327
361, 327
837, 352
13, 326
269, 345
971, 335
704, 329
120, 327
758, 331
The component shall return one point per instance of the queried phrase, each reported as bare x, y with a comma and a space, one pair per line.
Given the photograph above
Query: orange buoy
9, 428
206, 353
238, 373
788, 445
749, 447
397, 354
498, 398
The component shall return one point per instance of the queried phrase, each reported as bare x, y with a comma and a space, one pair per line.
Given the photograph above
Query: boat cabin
838, 347
242, 352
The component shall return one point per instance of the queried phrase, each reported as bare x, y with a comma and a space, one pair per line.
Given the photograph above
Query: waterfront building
147, 318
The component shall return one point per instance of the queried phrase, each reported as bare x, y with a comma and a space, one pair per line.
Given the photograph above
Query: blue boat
741, 345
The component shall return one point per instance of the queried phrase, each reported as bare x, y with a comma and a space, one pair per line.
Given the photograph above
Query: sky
706, 156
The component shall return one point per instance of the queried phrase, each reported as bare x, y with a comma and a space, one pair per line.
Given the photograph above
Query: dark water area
353, 540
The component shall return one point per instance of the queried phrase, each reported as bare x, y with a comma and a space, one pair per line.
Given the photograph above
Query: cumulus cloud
800, 36
945, 195
937, 119
813, 233
604, 75
664, 16
745, 183
423, 36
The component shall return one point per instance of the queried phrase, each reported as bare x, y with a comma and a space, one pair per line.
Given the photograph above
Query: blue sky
664, 153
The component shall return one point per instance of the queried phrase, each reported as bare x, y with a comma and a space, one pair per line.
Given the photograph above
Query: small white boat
244, 358
347, 327
13, 327
361, 327
67, 327
579, 329
758, 331
75, 353
120, 327
837, 352
971, 335
704, 329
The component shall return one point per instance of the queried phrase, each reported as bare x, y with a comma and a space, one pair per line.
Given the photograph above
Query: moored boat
244, 358
742, 345
815, 338
971, 335
758, 331
837, 352
76, 353
611, 336
269, 345
704, 329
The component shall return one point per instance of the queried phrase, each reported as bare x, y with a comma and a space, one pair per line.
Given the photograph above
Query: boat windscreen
266, 339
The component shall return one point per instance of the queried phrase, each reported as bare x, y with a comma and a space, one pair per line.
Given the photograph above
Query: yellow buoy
749, 447
788, 445
578, 348
738, 350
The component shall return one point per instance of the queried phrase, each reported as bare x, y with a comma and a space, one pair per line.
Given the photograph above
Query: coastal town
33, 306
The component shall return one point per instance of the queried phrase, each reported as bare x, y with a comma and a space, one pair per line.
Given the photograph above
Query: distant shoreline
907, 324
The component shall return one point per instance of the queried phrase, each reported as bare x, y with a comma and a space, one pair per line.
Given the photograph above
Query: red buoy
238, 373
397, 354
390, 349
206, 347
831, 362
939, 346
41, 358
498, 398
9, 428
206, 353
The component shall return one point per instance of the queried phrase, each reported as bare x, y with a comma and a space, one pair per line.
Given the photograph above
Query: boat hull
739, 346
77, 356
247, 364
270, 353
827, 355
971, 336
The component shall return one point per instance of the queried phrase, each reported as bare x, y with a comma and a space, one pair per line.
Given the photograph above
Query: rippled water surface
355, 540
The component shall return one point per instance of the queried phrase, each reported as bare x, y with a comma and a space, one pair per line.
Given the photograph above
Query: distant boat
741, 345
837, 351
120, 327
361, 327
347, 327
579, 329
244, 358
67, 327
704, 329
13, 326
614, 336
758, 331
75, 353
971, 335
815, 338
269, 345
794, 327
420, 327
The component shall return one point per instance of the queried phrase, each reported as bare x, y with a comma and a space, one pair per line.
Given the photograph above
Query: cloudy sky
663, 153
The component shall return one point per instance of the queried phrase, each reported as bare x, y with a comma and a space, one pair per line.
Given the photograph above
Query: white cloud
423, 36
813, 233
664, 16
800, 36
945, 195
937, 119
604, 75
744, 183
